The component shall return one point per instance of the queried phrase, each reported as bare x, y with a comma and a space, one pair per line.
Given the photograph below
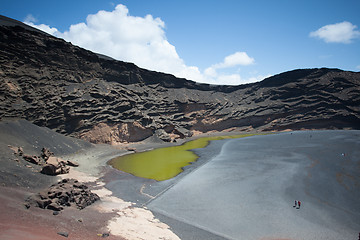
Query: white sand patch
132, 222
139, 223
80, 176
110, 203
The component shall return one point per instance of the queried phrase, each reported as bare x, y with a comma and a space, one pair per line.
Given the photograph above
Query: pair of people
297, 204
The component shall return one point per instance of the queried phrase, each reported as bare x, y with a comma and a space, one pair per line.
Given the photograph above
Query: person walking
295, 204
299, 204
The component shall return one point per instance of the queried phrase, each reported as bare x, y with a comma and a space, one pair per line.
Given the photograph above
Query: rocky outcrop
53, 83
66, 193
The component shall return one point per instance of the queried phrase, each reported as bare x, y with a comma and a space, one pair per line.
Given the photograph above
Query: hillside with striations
76, 92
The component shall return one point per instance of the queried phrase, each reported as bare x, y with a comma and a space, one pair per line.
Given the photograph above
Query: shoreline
130, 211
127, 217
123, 209
120, 208
155, 164
124, 198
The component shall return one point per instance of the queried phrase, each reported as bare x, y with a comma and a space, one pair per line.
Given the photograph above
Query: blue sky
220, 42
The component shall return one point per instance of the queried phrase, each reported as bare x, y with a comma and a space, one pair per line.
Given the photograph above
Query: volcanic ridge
76, 92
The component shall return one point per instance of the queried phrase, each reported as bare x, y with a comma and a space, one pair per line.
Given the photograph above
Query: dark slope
15, 171
53, 83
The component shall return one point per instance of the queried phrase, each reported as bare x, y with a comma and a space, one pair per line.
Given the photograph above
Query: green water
164, 163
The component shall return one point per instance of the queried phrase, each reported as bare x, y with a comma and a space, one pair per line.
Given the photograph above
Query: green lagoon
164, 163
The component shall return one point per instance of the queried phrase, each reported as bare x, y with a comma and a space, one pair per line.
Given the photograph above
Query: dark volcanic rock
33, 159
49, 169
64, 234
68, 192
53, 83
46, 153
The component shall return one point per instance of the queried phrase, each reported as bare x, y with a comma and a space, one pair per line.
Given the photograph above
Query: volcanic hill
76, 92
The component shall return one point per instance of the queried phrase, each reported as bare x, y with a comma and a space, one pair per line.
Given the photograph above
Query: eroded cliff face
76, 92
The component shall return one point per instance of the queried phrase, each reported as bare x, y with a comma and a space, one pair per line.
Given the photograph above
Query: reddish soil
17, 222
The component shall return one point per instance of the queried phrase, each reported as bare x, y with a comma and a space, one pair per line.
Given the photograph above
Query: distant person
299, 204
295, 204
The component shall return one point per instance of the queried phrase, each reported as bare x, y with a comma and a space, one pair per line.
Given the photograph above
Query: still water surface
164, 163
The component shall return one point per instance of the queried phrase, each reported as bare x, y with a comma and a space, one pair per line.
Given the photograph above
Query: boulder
49, 169
55, 166
161, 134
131, 149
182, 132
53, 160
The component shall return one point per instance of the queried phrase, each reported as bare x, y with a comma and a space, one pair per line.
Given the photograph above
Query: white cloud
142, 40
343, 32
30, 18
212, 74
45, 28
358, 67
233, 79
238, 58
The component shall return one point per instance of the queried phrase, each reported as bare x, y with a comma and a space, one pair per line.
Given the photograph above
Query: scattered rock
104, 235
63, 169
46, 153
20, 151
32, 159
66, 193
17, 150
72, 164
51, 165
130, 149
64, 234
